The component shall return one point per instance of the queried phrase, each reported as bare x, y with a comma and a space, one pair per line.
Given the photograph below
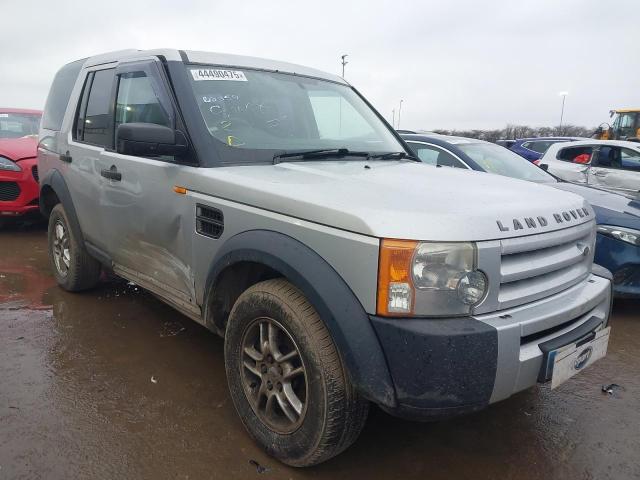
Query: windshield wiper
318, 154
394, 156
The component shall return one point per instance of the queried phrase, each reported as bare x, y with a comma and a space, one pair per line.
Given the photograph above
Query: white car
608, 164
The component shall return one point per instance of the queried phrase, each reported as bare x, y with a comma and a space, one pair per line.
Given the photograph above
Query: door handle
65, 157
111, 174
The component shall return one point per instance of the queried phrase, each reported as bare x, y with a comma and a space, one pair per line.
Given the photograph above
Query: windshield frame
211, 151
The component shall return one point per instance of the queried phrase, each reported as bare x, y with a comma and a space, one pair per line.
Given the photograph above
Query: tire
73, 268
332, 415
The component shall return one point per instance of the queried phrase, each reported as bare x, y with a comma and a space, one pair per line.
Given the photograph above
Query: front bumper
445, 367
623, 260
26, 200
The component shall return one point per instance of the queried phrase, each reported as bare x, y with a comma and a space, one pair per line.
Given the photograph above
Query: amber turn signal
395, 287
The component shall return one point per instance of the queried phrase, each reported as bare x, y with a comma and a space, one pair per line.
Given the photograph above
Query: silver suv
271, 203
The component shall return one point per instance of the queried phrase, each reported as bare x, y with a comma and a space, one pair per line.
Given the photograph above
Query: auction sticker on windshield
574, 358
218, 74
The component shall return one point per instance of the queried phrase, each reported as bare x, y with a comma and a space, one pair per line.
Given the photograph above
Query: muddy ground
114, 384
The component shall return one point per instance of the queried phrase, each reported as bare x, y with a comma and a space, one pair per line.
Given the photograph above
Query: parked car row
618, 217
272, 204
18, 169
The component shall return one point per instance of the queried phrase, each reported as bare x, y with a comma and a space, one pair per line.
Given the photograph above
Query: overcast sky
456, 64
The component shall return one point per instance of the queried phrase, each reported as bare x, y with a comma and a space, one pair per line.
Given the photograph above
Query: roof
222, 59
615, 143
26, 111
528, 139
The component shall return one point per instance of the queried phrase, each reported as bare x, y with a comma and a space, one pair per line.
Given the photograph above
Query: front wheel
286, 377
73, 268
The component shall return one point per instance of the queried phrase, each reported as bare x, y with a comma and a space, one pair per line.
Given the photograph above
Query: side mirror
150, 140
544, 166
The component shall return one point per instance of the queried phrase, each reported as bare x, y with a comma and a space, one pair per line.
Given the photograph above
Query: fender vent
209, 221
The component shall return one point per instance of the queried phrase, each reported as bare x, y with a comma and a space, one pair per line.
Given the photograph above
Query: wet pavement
112, 383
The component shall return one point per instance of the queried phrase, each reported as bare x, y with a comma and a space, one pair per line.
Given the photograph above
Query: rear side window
95, 116
434, 156
539, 146
580, 155
59, 94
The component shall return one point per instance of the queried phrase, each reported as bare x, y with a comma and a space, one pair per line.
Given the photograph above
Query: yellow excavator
625, 126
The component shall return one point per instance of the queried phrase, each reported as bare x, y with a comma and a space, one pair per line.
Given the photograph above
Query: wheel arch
54, 190
257, 255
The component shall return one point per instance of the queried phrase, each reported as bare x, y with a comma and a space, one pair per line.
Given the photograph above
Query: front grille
34, 172
537, 266
9, 191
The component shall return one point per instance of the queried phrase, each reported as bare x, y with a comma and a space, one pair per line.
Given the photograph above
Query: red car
18, 166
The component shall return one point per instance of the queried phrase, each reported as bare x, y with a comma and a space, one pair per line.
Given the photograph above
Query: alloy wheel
273, 375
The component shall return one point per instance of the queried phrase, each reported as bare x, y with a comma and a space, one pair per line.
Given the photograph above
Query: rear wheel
73, 268
286, 378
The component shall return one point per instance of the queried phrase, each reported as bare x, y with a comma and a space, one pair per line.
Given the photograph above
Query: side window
95, 116
434, 156
630, 159
59, 95
137, 102
581, 155
540, 146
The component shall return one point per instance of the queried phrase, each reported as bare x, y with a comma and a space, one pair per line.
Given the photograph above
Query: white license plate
572, 359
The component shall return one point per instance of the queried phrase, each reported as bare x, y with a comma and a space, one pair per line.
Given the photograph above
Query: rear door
616, 168
571, 163
150, 226
91, 134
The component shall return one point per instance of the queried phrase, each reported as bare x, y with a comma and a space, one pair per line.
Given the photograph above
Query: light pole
564, 96
393, 122
344, 62
399, 112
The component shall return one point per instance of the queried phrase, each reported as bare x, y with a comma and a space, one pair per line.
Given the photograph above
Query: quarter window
59, 95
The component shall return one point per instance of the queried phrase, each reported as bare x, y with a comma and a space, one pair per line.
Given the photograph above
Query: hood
611, 208
396, 199
18, 148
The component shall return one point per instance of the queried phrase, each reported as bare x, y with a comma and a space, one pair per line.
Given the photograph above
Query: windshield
256, 114
16, 125
499, 160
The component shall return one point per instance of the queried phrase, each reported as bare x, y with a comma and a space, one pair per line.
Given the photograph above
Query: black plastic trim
55, 181
325, 289
439, 364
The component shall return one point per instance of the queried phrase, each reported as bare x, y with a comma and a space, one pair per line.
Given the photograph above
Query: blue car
533, 148
617, 216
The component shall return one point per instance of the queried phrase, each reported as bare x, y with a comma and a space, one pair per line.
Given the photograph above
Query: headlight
6, 164
624, 234
428, 279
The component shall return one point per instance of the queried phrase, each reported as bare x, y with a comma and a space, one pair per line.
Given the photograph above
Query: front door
617, 169
150, 225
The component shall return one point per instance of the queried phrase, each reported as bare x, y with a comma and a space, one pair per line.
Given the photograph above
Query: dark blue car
618, 217
533, 148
